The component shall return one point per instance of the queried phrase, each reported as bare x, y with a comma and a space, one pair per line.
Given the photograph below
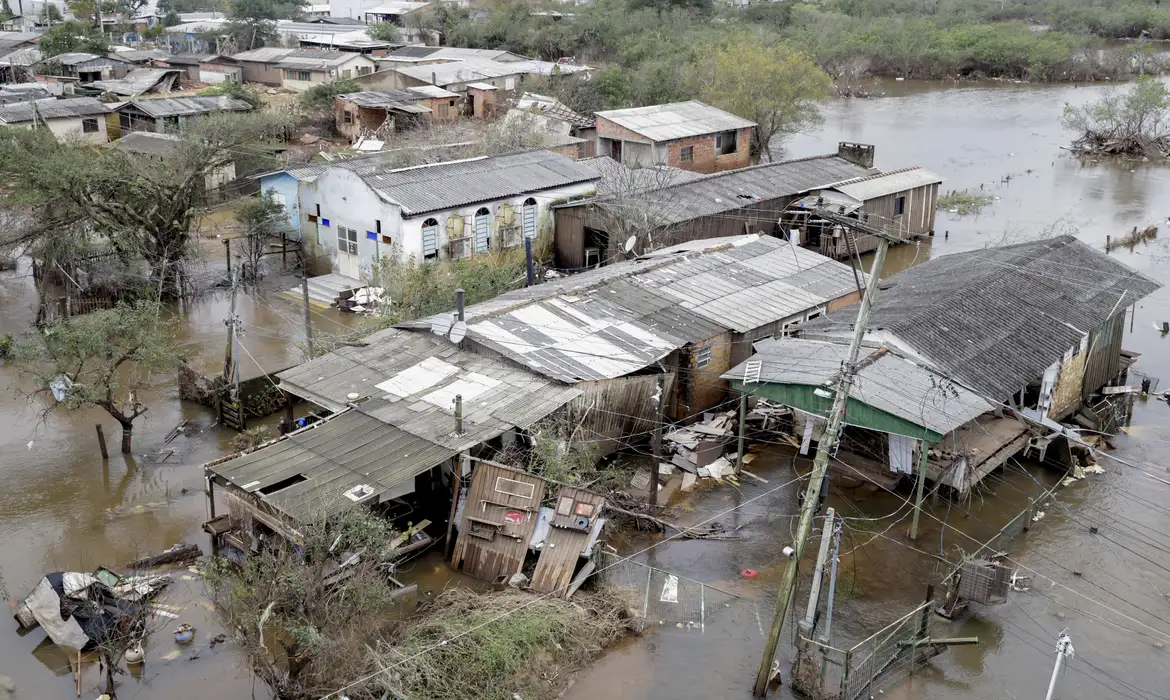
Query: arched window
430, 239
483, 230
529, 218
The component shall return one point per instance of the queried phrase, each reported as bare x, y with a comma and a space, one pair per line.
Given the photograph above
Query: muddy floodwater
62, 508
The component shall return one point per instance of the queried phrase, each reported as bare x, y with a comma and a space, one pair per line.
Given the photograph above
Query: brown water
62, 508
1004, 140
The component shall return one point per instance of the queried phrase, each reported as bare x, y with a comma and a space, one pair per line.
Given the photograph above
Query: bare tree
635, 206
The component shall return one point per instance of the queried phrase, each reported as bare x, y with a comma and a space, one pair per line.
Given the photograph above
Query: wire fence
824, 672
665, 598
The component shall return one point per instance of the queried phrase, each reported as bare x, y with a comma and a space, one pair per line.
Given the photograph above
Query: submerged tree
304, 633
773, 85
263, 219
1131, 122
140, 209
104, 359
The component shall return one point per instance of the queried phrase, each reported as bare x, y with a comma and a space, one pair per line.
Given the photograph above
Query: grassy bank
963, 202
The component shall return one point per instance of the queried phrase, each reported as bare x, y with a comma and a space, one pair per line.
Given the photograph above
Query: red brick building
687, 135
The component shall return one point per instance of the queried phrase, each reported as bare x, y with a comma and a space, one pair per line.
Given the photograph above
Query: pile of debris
700, 446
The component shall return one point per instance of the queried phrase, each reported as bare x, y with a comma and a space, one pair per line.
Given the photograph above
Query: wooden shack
499, 514
575, 518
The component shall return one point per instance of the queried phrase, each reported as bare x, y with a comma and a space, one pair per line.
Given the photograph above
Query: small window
430, 239
89, 126
702, 357
346, 74
686, 154
515, 488
726, 142
899, 206
815, 314
347, 117
347, 240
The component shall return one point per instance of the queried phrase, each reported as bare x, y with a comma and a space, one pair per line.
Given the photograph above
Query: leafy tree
383, 31
252, 23
774, 85
50, 15
1136, 121
262, 218
102, 359
143, 209
321, 95
171, 18
72, 36
663, 5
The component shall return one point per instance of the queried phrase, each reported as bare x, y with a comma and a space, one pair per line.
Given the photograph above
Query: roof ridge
875, 176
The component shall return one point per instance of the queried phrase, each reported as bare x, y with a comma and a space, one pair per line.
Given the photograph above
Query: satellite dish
458, 331
630, 243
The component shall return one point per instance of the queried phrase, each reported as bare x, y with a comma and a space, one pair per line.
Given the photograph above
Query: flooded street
62, 508
1005, 141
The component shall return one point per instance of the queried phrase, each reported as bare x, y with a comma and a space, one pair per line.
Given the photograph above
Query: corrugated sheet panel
884, 184
894, 384
350, 449
677, 120
448, 185
51, 109
996, 318
182, 106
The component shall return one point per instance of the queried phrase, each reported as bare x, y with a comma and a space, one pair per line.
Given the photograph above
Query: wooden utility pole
231, 334
742, 420
308, 318
814, 590
825, 448
227, 251
656, 442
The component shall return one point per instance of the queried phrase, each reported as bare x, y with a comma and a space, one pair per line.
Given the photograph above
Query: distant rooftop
185, 106
677, 120
51, 109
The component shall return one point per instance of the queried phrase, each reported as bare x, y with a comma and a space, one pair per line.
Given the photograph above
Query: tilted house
140, 81
84, 67
361, 113
357, 211
689, 313
689, 135
1034, 330
74, 118
449, 75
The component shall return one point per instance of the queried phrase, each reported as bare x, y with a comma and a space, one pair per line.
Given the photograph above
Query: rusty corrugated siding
564, 545
1104, 361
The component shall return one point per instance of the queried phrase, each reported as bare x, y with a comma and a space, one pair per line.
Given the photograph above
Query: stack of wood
701, 444
1104, 144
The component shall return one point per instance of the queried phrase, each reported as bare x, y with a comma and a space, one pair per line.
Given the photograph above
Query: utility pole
826, 446
742, 420
924, 447
656, 441
1064, 649
825, 637
308, 317
231, 334
814, 590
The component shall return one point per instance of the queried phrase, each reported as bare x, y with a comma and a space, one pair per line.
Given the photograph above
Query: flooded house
404, 412
682, 316
359, 114
596, 231
969, 359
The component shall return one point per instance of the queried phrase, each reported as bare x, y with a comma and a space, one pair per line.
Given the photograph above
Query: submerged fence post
102, 441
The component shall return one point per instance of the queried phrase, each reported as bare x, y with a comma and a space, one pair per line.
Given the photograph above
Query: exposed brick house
687, 135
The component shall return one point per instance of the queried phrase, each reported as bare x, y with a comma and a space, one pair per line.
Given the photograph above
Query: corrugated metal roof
346, 450
395, 8
735, 189
180, 106
412, 379
51, 109
428, 188
676, 120
892, 383
147, 142
996, 318
384, 98
317, 59
72, 59
621, 318
432, 91
22, 57
190, 59
138, 81
865, 188
143, 56
553, 109
269, 54
461, 71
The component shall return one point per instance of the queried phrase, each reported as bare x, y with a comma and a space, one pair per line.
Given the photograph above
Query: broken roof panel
186, 106
891, 383
996, 318
388, 99
141, 80
622, 318
324, 461
461, 71
316, 59
148, 142
677, 120
411, 380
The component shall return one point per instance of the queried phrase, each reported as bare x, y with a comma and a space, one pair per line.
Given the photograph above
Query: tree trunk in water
127, 434
110, 690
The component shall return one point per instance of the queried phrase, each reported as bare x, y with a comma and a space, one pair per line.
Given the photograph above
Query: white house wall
70, 128
347, 201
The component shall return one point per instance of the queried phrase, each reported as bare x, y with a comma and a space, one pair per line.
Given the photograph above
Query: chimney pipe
459, 304
458, 414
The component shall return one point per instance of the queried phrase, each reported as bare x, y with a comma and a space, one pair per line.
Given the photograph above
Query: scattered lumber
175, 555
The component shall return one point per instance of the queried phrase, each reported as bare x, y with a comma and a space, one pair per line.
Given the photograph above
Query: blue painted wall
286, 186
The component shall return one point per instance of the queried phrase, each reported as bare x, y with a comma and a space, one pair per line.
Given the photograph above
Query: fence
665, 597
824, 672
68, 307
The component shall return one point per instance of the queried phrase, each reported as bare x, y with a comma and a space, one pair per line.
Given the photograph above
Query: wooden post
308, 318
924, 448
657, 442
456, 484
102, 442
78, 673
227, 251
283, 249
231, 326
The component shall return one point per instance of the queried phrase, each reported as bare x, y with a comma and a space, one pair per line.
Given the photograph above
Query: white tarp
901, 454
45, 605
